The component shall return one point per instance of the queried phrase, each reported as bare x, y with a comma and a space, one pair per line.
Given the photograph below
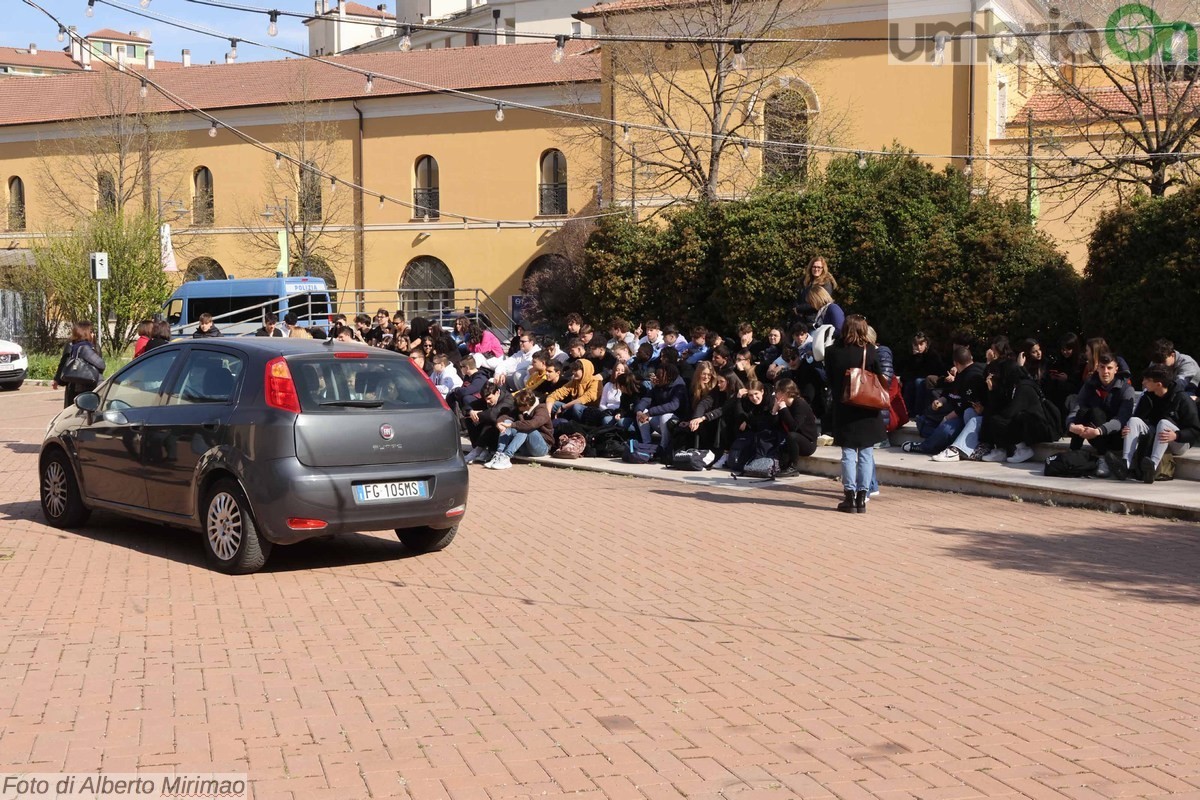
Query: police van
238, 305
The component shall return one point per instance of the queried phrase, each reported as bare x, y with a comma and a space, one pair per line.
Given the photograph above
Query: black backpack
690, 460
608, 442
1071, 464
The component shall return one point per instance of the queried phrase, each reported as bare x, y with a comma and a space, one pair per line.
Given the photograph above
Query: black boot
860, 502
847, 505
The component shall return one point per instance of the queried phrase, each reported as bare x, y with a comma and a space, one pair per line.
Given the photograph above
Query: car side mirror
87, 401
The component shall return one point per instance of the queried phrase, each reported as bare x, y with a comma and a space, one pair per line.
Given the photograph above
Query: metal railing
552, 199
427, 202
435, 303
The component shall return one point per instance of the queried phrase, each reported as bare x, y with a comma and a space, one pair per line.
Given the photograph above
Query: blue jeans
659, 424
939, 436
968, 437
514, 442
573, 413
858, 468
916, 396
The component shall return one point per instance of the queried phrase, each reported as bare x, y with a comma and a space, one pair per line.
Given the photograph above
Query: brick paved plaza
599, 636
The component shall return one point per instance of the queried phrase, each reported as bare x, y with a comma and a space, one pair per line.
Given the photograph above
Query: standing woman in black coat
82, 345
855, 429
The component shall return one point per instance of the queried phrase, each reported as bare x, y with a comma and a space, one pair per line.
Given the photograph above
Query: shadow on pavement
23, 447
782, 495
186, 547
1158, 562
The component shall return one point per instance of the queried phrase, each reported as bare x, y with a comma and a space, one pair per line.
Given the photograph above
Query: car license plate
391, 490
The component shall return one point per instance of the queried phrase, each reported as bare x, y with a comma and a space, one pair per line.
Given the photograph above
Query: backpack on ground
1166, 467
692, 460
763, 468
610, 441
570, 445
749, 447
1071, 464
639, 453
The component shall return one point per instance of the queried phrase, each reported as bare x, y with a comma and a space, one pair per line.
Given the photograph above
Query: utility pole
1029, 164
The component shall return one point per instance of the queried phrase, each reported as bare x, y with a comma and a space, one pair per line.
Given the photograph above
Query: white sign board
99, 262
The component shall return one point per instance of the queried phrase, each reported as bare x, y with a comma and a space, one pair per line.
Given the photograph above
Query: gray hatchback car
256, 442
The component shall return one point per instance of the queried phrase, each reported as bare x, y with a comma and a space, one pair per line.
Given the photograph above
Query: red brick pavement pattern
603, 637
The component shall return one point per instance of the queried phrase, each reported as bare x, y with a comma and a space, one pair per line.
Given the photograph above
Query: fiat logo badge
386, 431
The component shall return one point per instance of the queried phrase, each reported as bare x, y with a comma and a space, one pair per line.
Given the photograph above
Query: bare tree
1115, 106
706, 99
117, 158
295, 187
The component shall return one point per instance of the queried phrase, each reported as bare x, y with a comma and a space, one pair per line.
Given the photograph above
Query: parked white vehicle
13, 365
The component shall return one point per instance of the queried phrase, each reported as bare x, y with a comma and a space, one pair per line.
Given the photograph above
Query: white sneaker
824, 440
873, 494
709, 457
475, 454
489, 462
949, 454
995, 455
1021, 454
721, 462
501, 461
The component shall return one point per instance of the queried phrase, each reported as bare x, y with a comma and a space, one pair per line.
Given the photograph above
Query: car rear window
330, 384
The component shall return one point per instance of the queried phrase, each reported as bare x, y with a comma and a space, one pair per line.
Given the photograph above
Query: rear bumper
285, 489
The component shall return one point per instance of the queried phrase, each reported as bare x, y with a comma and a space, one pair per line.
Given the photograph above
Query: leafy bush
1142, 279
911, 249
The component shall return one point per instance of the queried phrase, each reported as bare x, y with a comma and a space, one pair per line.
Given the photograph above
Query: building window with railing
786, 118
552, 184
203, 208
310, 193
16, 204
426, 189
106, 192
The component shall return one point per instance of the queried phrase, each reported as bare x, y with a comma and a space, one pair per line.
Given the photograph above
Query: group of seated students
729, 397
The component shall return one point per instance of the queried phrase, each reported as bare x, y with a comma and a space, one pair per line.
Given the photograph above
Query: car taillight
306, 524
350, 354
279, 388
432, 388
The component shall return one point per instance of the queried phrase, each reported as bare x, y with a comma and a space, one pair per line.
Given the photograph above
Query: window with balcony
426, 189
552, 184
16, 204
785, 124
203, 208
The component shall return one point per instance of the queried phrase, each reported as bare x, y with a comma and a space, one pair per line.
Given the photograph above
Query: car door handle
211, 425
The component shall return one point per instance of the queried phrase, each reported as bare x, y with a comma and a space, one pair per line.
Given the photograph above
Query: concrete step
1177, 499
1187, 466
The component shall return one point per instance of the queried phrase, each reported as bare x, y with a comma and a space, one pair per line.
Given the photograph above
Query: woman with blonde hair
296, 332
816, 276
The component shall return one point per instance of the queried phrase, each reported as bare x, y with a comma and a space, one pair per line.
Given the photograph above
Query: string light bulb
939, 48
739, 58
233, 43
278, 160
405, 38
273, 25
144, 3
145, 90
862, 161
1179, 46
370, 83
560, 45
212, 132
499, 112
968, 168
627, 137
382, 200
62, 33
332, 185
91, 9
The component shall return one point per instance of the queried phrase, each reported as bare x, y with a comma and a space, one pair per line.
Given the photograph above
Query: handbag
863, 389
76, 370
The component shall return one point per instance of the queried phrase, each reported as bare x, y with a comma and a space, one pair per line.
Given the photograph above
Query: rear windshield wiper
354, 403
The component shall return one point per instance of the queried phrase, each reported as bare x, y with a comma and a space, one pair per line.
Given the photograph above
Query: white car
13, 365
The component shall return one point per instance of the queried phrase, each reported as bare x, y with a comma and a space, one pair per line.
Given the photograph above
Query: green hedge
910, 247
1142, 279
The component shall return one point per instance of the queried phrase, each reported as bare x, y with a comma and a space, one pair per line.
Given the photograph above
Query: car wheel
62, 503
426, 539
231, 541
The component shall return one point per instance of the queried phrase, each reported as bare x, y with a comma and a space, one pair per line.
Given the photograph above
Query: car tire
426, 539
62, 502
232, 543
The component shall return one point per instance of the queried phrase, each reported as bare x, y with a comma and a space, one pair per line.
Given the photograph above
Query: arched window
785, 120
310, 193
427, 189
16, 204
426, 288
106, 192
552, 184
204, 267
202, 197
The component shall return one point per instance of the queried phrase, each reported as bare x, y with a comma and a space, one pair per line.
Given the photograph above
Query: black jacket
86, 351
211, 333
1116, 401
852, 426
968, 386
1175, 406
798, 418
